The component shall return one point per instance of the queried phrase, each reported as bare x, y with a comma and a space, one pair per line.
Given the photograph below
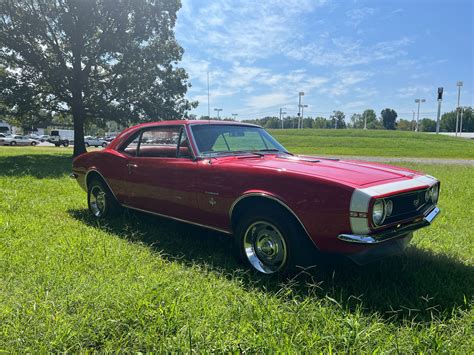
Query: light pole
440, 98
460, 125
459, 85
302, 114
208, 98
300, 95
234, 115
281, 118
218, 110
418, 101
413, 120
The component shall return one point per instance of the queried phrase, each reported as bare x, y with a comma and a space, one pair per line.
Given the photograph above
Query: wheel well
94, 175
266, 203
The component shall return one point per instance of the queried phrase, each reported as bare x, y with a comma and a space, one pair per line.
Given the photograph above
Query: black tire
86, 144
100, 200
57, 145
33, 143
66, 144
13, 143
104, 145
251, 234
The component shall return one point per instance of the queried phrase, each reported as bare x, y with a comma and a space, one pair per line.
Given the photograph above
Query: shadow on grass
416, 286
37, 165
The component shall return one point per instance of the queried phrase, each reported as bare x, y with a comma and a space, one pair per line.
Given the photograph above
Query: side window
159, 142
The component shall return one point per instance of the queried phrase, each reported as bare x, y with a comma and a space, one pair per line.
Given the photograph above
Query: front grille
407, 205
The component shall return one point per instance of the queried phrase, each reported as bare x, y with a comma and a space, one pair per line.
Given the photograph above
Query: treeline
388, 119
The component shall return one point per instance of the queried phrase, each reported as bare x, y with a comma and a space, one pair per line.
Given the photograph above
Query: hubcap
265, 247
97, 201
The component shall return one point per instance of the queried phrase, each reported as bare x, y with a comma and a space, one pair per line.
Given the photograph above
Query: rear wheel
13, 143
86, 144
100, 200
104, 145
33, 143
66, 144
269, 241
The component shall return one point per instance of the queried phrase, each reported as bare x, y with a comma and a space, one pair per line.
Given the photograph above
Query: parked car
61, 137
95, 141
2, 135
283, 210
44, 138
17, 140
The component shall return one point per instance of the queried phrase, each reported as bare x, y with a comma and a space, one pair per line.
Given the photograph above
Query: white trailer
61, 137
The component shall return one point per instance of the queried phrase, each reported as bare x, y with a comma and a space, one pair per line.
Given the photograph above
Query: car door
160, 176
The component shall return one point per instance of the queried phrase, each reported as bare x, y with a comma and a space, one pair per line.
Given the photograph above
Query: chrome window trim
178, 219
198, 153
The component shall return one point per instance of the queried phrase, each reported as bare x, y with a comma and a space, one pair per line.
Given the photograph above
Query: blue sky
345, 55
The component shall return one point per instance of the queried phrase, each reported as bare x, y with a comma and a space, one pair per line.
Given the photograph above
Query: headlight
378, 212
388, 208
435, 193
427, 195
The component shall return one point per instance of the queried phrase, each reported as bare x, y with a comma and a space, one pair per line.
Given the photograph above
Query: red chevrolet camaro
283, 210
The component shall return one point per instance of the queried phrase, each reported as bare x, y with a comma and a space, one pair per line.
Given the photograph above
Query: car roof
193, 122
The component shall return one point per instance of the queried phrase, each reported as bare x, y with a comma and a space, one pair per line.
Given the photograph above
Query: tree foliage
96, 59
389, 118
448, 121
338, 119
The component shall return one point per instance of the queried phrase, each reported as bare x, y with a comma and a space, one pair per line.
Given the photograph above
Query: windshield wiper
274, 150
232, 152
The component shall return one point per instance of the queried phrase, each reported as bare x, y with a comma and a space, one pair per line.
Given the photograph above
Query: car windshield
233, 139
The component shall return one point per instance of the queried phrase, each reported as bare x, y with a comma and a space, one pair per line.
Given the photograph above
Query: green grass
142, 283
374, 143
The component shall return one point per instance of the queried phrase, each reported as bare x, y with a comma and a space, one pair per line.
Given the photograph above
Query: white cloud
356, 16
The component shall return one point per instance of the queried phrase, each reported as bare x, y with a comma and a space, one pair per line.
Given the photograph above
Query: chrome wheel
265, 247
97, 201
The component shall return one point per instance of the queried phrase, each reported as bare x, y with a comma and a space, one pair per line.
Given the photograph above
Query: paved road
448, 161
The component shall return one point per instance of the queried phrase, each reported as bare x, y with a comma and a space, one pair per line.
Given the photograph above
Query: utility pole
300, 94
208, 98
413, 120
418, 101
218, 110
281, 118
302, 114
440, 98
459, 85
460, 126
365, 121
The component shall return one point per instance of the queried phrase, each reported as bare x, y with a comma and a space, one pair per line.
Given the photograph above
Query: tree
389, 118
448, 121
321, 122
338, 119
357, 120
370, 118
96, 59
428, 125
405, 125
308, 122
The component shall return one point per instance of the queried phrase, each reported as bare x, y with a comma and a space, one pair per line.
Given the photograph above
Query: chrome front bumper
391, 233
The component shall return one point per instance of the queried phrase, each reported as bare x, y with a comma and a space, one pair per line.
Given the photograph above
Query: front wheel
100, 200
66, 144
269, 241
86, 144
13, 143
104, 145
33, 143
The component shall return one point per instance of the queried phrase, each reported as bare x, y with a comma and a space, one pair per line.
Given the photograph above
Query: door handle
130, 167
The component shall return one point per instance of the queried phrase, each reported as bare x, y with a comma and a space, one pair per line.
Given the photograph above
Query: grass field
374, 143
142, 283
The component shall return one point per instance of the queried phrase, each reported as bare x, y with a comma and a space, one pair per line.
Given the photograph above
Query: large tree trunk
78, 115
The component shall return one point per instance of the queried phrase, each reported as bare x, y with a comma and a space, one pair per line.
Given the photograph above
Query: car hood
350, 172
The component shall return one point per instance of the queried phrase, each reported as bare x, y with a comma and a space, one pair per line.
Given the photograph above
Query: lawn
374, 143
143, 283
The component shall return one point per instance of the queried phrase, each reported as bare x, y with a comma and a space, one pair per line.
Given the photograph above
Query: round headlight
378, 212
435, 193
388, 207
428, 195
